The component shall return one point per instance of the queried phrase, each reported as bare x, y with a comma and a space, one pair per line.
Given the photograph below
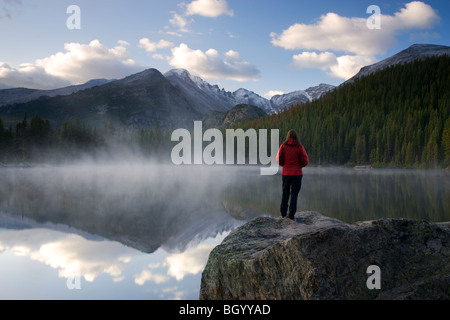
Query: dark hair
292, 134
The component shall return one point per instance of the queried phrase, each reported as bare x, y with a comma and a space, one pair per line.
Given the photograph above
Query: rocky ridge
413, 53
221, 100
23, 95
242, 113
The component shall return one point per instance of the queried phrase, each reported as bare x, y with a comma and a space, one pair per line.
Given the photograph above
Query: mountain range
22, 95
191, 85
144, 100
174, 99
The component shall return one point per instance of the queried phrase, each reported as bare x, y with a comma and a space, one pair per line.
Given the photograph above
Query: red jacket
292, 157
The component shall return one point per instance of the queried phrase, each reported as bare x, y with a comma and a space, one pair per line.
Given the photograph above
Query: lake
144, 231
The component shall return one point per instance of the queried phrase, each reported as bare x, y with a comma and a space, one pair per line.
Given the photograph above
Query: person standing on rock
292, 157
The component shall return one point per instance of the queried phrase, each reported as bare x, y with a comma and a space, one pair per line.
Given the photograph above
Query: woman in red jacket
292, 157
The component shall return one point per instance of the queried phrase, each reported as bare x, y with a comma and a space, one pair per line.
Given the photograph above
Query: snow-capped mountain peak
414, 52
316, 92
287, 100
209, 96
244, 96
279, 102
220, 99
187, 76
181, 73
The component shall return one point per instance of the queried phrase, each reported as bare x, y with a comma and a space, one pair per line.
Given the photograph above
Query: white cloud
351, 35
123, 43
232, 36
415, 15
208, 8
159, 56
343, 67
205, 8
149, 46
70, 254
180, 22
333, 32
28, 75
78, 64
189, 262
347, 66
273, 93
147, 275
322, 60
81, 63
175, 34
210, 64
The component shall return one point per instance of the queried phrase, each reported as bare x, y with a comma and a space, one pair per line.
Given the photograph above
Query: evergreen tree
446, 142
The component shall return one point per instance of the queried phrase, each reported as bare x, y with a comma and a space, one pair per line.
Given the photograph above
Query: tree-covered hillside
36, 140
399, 116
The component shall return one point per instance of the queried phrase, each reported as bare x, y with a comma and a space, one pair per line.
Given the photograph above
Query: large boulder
317, 257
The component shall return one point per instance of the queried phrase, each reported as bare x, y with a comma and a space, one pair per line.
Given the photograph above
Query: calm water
143, 231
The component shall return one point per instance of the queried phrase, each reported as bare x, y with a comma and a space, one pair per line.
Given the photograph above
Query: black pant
291, 188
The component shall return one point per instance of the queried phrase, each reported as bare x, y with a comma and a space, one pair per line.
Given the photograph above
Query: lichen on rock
317, 257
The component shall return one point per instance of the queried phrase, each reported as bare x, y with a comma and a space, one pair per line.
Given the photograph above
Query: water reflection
355, 195
143, 231
142, 206
70, 254
148, 229
99, 268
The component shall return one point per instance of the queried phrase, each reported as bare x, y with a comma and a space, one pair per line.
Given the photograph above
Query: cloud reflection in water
72, 254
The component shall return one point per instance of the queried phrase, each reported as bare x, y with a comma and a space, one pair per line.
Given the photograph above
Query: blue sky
262, 45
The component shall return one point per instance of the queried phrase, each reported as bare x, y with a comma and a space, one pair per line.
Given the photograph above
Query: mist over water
145, 205
149, 227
